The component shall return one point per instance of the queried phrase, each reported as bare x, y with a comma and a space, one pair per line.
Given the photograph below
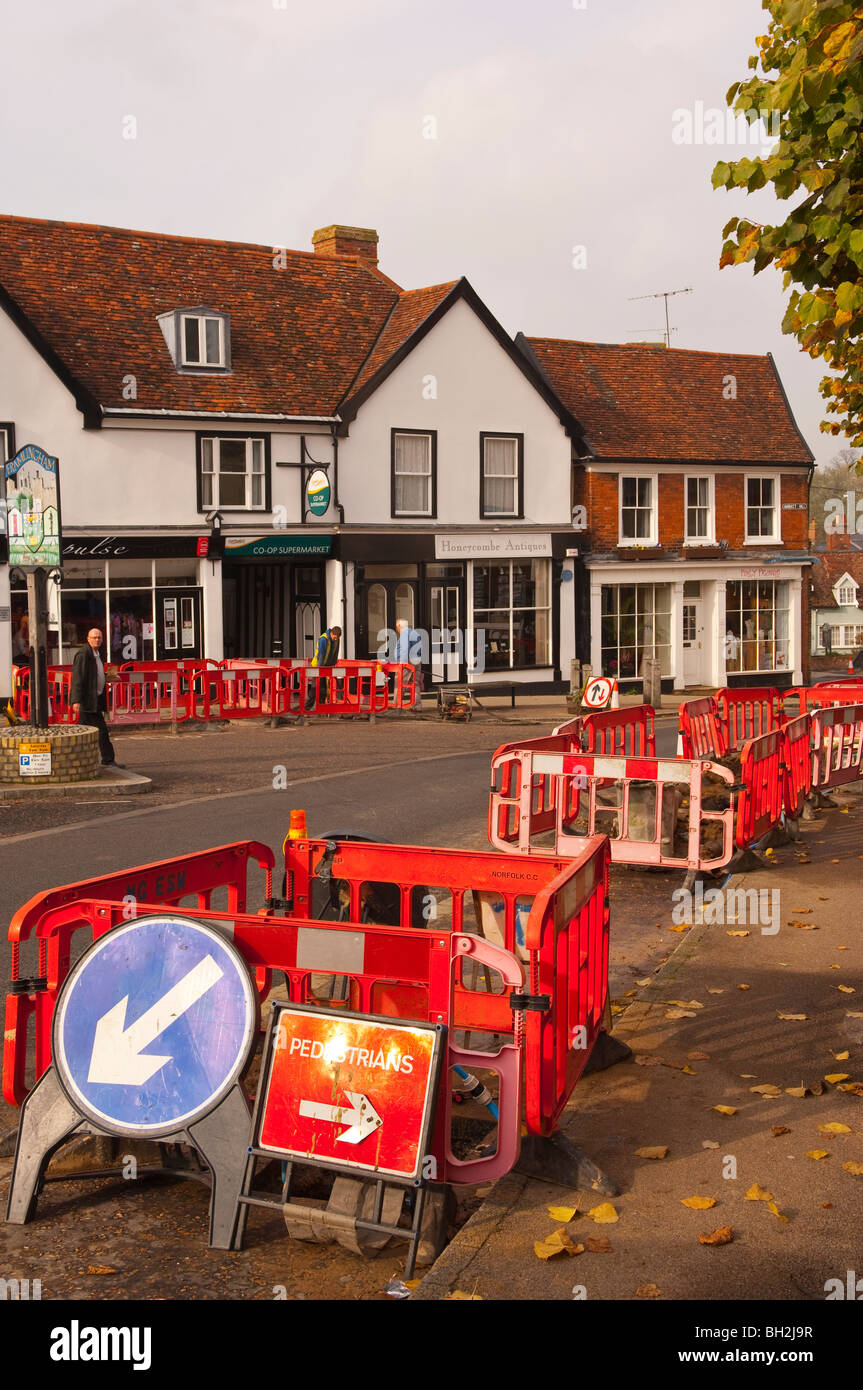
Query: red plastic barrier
354, 688
620, 732
819, 697
147, 697
748, 711
837, 746
252, 692
797, 764
168, 882
701, 731
760, 798
21, 692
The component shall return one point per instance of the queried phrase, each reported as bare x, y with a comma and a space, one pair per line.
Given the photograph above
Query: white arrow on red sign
360, 1115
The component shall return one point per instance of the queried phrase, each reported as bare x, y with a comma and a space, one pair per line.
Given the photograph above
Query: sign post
35, 545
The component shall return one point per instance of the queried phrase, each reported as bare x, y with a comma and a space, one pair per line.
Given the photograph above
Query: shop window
512, 613
636, 622
502, 475
233, 473
756, 637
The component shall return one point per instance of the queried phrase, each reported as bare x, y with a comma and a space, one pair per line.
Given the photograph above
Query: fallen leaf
817, 1153
765, 1090
840, 1056
780, 1129
101, 1269
725, 1109
834, 1128
841, 948
793, 1018
659, 1151
835, 1076
598, 1245
758, 1194
744, 986
852, 1087
836, 967
684, 926
648, 1291
679, 1013
849, 1013
723, 1236
604, 1214
737, 933
617, 1008
771, 1206
799, 911
646, 981
747, 1075
698, 1203
847, 989
685, 1003
558, 1243
716, 991
803, 926
630, 992
710, 1143
457, 1295
689, 1071
852, 1167
797, 1091
562, 1213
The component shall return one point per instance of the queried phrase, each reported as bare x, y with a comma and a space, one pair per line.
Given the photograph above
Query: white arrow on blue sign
154, 1024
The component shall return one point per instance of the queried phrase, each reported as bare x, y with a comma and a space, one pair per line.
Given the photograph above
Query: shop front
274, 594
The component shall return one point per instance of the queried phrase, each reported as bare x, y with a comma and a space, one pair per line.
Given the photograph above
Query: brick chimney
358, 243
837, 540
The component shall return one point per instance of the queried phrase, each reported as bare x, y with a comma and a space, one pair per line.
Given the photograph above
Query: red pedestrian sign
350, 1090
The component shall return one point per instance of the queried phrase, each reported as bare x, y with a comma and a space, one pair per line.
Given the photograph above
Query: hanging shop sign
33, 509
317, 492
263, 547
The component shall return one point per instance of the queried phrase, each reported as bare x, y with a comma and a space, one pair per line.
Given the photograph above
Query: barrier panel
350, 689
168, 882
621, 732
507, 784
760, 790
392, 968
820, 697
651, 808
21, 692
251, 692
797, 764
747, 712
146, 697
700, 729
837, 745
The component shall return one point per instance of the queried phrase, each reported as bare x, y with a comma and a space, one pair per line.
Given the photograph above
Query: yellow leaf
562, 1213
558, 1243
648, 1291
744, 986
835, 1076
457, 1294
646, 981
765, 1090
658, 1151
852, 1167
617, 1008
797, 1091
679, 1013
723, 1236
793, 1018
849, 1086
725, 1109
817, 1153
800, 910
847, 989
780, 1129
698, 1203
716, 991
685, 1004
840, 1056
758, 1194
689, 1071
737, 933
604, 1214
771, 1206
834, 1128
684, 926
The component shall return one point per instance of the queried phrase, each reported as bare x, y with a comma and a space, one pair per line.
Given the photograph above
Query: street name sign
154, 1025
350, 1090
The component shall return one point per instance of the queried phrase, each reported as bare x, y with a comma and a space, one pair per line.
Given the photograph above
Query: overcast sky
260, 120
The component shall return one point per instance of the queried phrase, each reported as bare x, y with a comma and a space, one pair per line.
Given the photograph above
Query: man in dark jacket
87, 695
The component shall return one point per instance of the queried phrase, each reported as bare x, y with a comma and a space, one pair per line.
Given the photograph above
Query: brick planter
74, 754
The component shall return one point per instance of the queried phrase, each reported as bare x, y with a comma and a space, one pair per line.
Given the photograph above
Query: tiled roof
829, 567
412, 308
300, 336
642, 401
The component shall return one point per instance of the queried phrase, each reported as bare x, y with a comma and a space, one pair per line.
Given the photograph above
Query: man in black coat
87, 695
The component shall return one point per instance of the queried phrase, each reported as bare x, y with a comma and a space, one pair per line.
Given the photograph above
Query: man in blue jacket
326, 654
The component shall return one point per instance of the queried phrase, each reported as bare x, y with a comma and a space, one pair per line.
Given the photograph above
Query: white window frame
202, 320
847, 583
429, 437
215, 441
515, 478
653, 479
775, 538
710, 537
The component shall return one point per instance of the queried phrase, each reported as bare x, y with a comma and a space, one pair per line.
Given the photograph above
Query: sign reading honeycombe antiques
33, 509
482, 545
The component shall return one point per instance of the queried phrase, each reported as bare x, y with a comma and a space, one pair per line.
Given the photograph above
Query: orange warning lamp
297, 829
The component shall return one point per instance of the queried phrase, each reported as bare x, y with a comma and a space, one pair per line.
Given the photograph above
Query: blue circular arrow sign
153, 1025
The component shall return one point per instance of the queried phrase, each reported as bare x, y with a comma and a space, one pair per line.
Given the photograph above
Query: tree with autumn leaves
809, 69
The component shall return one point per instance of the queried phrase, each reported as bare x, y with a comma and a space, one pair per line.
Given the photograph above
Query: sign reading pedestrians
154, 1025
350, 1090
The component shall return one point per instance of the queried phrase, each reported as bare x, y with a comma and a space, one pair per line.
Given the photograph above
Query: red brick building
690, 507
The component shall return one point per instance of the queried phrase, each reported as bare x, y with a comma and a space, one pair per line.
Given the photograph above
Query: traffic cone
850, 667
615, 700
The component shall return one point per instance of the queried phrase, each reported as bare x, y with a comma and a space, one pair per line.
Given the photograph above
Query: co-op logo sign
318, 492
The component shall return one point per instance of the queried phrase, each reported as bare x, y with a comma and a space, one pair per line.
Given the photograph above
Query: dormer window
199, 340
845, 592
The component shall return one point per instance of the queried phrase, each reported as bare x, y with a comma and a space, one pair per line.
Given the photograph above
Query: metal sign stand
37, 605
363, 1210
221, 1138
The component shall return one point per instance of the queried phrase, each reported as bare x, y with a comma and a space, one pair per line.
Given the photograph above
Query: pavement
735, 1008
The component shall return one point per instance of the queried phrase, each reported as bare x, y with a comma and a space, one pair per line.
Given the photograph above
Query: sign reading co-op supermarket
33, 508
276, 547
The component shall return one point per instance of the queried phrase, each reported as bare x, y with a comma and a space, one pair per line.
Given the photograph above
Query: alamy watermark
720, 906
714, 125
